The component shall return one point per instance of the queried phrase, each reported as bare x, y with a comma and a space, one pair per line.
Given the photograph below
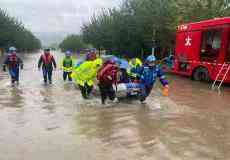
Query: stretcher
127, 89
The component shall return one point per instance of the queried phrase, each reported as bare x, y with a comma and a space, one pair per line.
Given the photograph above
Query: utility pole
154, 42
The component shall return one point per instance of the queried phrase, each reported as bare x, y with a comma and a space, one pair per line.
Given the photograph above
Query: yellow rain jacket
134, 63
87, 72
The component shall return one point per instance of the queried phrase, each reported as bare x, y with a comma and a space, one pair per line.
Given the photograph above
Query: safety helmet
68, 53
151, 59
114, 59
91, 56
12, 49
88, 56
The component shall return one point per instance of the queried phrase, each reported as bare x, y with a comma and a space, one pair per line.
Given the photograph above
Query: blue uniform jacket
148, 75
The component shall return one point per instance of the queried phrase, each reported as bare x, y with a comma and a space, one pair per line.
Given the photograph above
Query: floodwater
55, 123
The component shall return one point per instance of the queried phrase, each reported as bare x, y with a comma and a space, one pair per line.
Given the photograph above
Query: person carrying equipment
85, 76
148, 74
107, 76
13, 63
67, 66
47, 62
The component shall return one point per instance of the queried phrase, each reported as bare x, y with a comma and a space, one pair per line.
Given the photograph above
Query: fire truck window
211, 43
227, 58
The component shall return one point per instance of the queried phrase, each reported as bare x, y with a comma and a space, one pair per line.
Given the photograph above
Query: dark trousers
14, 73
106, 90
47, 73
145, 91
67, 74
85, 90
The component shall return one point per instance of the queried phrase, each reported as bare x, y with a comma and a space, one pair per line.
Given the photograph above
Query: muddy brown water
55, 123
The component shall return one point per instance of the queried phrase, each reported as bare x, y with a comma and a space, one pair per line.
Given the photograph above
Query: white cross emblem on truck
188, 41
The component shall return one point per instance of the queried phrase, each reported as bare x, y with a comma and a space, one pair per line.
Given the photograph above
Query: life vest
47, 59
67, 64
13, 60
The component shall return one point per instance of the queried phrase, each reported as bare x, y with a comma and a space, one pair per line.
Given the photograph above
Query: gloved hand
166, 91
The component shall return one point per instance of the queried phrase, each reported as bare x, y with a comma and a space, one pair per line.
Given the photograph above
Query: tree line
13, 33
138, 25
73, 43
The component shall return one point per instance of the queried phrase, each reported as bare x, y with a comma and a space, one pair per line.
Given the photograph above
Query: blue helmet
115, 59
12, 49
151, 59
68, 53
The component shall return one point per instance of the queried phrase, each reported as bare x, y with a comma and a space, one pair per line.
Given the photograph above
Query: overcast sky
62, 16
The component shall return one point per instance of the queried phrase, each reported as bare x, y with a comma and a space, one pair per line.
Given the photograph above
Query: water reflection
48, 100
11, 97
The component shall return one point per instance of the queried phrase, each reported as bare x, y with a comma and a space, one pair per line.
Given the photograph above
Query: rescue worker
134, 63
67, 66
148, 74
107, 76
13, 63
85, 76
123, 74
47, 62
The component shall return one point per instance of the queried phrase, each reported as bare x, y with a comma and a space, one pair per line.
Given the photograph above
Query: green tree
13, 33
197, 10
73, 43
138, 23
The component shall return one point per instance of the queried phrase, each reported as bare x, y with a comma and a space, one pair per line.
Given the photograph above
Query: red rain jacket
108, 73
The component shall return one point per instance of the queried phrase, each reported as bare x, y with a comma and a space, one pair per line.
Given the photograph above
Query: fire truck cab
203, 49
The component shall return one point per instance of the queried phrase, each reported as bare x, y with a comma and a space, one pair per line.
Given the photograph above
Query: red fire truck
203, 50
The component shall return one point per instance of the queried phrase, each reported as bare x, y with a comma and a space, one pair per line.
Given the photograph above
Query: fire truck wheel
201, 74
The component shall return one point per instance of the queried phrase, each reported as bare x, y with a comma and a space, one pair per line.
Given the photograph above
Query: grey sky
55, 16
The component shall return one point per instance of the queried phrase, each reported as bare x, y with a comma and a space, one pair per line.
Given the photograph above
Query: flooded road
54, 123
